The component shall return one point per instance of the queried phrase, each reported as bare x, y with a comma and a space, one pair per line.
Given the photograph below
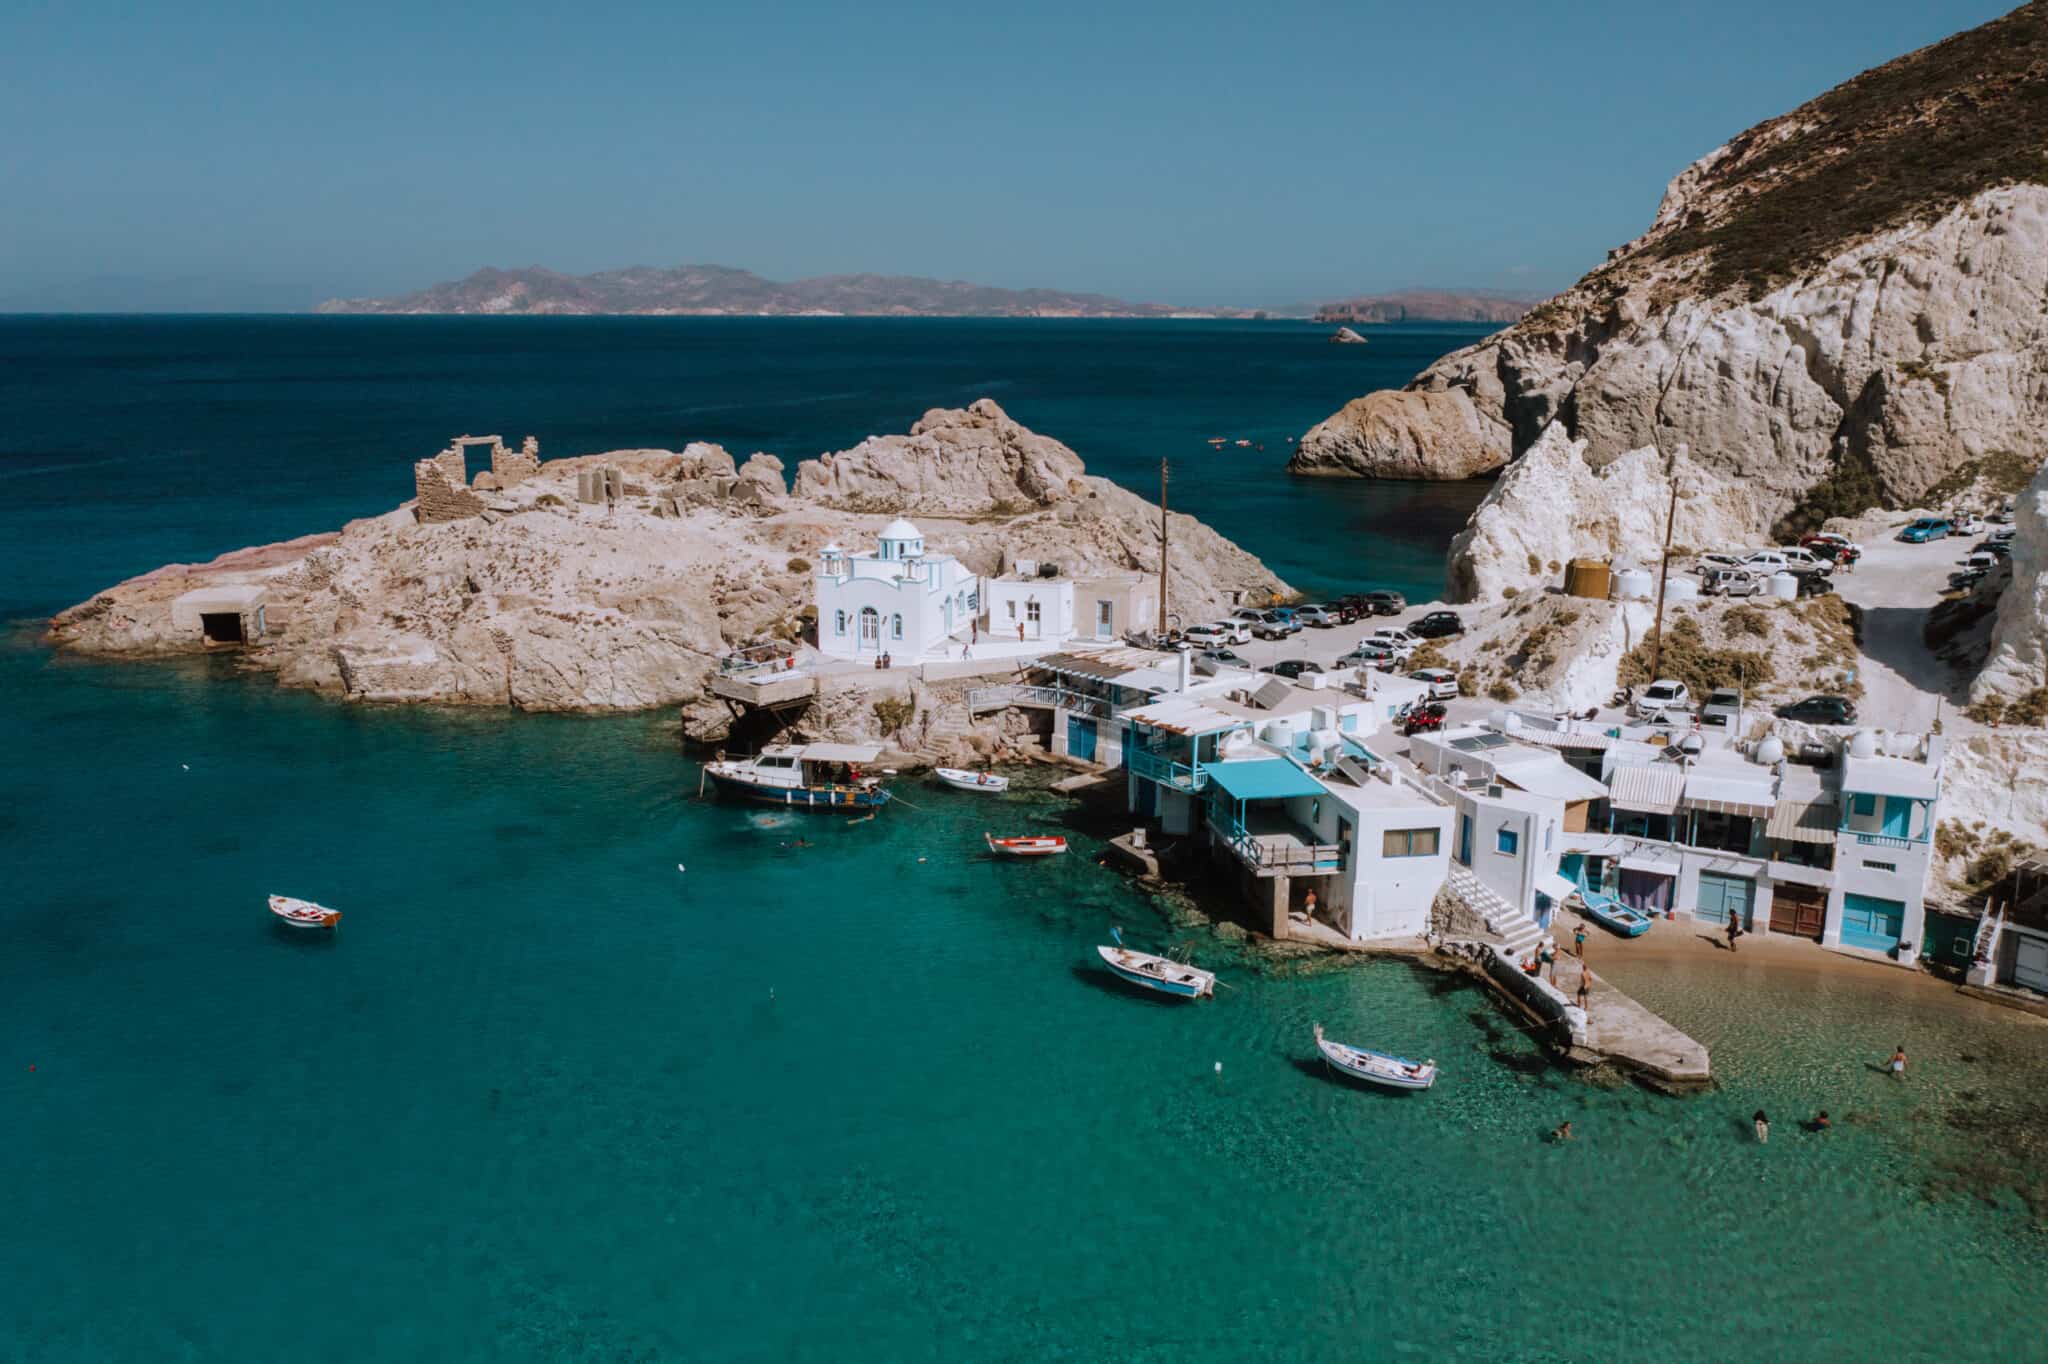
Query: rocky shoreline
615, 582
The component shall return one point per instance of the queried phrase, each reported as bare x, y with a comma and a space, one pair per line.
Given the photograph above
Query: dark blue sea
593, 1071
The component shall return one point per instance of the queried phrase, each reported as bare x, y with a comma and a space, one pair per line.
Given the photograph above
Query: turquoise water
545, 1096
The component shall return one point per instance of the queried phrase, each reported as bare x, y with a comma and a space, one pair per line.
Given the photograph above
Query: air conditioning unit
1026, 567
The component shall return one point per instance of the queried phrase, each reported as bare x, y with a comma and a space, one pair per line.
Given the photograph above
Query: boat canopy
1263, 779
841, 753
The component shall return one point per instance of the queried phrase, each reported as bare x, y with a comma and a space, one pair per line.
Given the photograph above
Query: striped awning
1812, 821
1647, 790
1727, 796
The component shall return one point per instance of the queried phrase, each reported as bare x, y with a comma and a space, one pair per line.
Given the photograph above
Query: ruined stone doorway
221, 627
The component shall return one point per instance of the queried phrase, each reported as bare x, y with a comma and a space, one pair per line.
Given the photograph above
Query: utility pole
1162, 549
1664, 571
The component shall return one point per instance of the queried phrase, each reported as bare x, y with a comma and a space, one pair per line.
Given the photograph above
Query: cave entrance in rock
221, 627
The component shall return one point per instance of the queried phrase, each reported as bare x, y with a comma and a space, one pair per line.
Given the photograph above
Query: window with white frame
896, 626
838, 622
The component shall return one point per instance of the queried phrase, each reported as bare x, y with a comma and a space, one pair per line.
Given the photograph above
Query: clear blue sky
241, 155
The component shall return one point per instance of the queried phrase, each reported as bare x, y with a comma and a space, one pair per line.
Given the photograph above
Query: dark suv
1437, 624
1820, 710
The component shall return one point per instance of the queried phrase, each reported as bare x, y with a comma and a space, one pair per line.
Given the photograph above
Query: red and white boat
303, 913
1043, 845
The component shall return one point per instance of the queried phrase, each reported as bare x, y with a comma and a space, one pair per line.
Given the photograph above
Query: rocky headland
614, 581
1836, 310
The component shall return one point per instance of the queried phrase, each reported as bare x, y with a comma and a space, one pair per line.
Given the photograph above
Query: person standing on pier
1585, 987
1579, 942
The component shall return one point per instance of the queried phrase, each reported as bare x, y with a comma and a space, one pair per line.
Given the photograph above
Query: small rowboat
960, 779
1043, 845
1612, 914
1164, 974
1375, 1067
303, 913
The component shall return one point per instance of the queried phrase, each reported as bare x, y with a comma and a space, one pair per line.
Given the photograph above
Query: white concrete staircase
1518, 932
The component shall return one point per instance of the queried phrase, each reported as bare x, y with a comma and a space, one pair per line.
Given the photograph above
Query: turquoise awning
1262, 779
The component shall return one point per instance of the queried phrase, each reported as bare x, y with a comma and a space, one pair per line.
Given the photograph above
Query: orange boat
1042, 845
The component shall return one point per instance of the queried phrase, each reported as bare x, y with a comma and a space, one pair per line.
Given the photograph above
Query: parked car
1427, 716
1321, 617
1662, 698
1443, 683
1383, 603
1981, 559
1209, 661
1272, 625
1288, 617
1437, 624
1967, 579
1248, 616
1722, 708
1967, 524
1394, 639
1793, 560
1344, 609
1820, 710
1368, 655
1215, 635
2003, 534
1997, 549
1925, 529
1815, 585
1291, 668
1833, 547
1732, 582
1714, 563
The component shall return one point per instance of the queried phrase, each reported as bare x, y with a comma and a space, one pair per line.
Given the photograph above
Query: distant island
1429, 305
718, 290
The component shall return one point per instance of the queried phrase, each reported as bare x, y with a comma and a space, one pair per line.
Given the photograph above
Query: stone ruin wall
442, 496
510, 466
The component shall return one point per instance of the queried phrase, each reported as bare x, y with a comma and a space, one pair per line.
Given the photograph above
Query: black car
1437, 624
1820, 710
2002, 548
1815, 584
1291, 668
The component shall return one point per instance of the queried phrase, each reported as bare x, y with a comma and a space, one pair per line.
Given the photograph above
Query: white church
897, 600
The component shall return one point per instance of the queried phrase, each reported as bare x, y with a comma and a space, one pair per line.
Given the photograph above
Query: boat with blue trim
1162, 974
1613, 915
804, 777
1375, 1067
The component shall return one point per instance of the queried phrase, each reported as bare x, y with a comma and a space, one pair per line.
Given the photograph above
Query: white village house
898, 599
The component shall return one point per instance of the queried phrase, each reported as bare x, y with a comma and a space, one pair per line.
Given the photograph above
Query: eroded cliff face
1835, 310
553, 600
1556, 504
2018, 662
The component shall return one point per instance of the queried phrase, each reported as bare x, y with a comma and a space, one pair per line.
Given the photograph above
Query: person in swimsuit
1763, 1126
1563, 1131
1898, 1062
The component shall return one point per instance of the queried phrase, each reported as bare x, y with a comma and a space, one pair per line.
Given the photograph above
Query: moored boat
1041, 845
1375, 1067
804, 777
303, 913
960, 779
1613, 915
1163, 974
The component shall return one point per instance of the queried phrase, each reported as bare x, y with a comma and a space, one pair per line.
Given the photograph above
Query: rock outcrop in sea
1834, 311
614, 581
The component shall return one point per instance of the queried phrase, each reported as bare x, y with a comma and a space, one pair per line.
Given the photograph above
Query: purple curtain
1647, 891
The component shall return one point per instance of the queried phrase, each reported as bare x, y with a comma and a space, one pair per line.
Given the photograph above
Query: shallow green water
547, 1097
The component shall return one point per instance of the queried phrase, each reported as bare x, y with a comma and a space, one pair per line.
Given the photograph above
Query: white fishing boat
1375, 1067
303, 913
804, 777
1163, 974
1038, 845
960, 779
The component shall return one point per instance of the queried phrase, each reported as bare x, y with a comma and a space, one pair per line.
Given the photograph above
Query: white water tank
1682, 589
1771, 751
1864, 745
1633, 584
1784, 586
1279, 733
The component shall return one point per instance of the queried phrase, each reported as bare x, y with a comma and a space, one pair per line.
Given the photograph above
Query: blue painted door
1873, 923
1465, 839
1081, 738
1898, 816
1722, 895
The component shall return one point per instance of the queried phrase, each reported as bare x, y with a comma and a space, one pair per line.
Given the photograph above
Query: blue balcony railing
1888, 841
1167, 772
